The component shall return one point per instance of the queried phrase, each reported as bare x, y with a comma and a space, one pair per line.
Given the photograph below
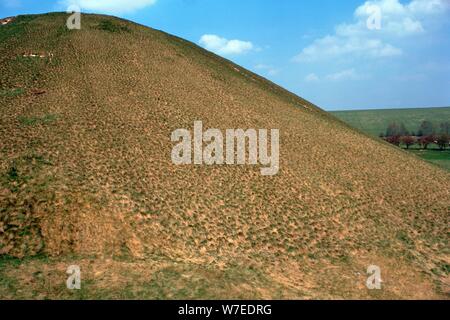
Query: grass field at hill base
375, 122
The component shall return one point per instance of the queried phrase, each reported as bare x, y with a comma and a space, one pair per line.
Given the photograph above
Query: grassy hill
375, 122
86, 178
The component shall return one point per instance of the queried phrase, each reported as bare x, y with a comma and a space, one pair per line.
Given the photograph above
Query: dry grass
107, 188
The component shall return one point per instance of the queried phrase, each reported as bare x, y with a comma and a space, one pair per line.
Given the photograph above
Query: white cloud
110, 6
224, 46
402, 19
388, 7
429, 6
312, 77
332, 46
270, 70
399, 27
349, 74
355, 39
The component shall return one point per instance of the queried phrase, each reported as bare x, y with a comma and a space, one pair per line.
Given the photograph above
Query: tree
426, 128
443, 141
408, 141
396, 129
395, 140
403, 130
445, 127
392, 129
425, 141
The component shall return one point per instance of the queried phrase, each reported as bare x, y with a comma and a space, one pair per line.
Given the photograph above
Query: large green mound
86, 178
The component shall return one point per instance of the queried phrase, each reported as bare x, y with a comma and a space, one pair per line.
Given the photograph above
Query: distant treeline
426, 135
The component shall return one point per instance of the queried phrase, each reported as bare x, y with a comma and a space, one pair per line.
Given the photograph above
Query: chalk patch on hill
5, 21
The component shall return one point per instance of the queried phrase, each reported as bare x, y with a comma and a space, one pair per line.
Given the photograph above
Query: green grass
15, 28
31, 121
375, 122
438, 157
11, 92
107, 25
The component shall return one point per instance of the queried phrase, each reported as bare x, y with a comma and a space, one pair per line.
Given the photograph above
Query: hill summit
86, 177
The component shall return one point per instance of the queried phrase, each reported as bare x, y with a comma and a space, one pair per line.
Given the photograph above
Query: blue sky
338, 54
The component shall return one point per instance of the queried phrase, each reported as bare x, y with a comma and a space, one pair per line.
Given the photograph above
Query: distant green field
440, 158
375, 122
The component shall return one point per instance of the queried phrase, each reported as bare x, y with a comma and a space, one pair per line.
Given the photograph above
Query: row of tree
427, 134
441, 140
426, 128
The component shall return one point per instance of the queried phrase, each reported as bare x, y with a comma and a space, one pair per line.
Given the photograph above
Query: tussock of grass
31, 121
25, 186
110, 26
12, 92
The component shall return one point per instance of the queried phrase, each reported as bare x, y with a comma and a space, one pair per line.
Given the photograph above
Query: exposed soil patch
6, 21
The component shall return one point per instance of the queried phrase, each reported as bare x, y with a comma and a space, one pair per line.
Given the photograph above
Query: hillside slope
87, 178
